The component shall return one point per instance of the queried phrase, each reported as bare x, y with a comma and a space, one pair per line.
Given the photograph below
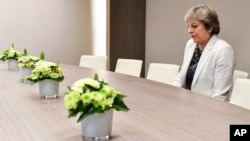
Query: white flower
90, 96
45, 70
12, 53
78, 85
27, 61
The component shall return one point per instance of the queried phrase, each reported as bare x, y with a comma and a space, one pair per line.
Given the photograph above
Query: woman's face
198, 32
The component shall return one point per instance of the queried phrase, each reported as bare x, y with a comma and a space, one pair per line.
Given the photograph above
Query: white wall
60, 28
99, 27
166, 31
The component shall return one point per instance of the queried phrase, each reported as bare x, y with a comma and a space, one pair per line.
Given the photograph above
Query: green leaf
12, 45
42, 56
119, 105
96, 77
25, 52
69, 88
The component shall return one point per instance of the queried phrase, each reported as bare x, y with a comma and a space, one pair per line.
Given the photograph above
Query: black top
192, 67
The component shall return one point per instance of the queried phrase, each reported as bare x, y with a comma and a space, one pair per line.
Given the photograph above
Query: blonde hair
206, 15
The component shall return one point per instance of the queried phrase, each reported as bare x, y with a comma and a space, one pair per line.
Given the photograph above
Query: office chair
239, 74
129, 66
92, 61
240, 95
161, 72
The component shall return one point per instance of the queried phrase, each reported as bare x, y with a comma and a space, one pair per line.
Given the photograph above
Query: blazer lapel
187, 60
190, 55
204, 58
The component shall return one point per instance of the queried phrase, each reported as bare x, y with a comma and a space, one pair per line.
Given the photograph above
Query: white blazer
213, 76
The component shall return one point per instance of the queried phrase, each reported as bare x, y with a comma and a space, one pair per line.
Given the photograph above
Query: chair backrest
239, 74
241, 93
129, 66
165, 73
92, 61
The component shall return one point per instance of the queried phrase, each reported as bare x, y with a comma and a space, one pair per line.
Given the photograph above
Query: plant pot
48, 88
25, 72
13, 65
97, 126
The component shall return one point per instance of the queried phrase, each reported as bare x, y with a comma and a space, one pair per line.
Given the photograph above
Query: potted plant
48, 75
11, 55
26, 64
94, 101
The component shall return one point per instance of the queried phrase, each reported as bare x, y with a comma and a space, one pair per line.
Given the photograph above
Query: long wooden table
158, 112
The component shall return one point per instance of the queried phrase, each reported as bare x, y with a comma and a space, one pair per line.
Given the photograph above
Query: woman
208, 63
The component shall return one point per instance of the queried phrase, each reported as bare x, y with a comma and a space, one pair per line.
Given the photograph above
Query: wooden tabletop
158, 112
